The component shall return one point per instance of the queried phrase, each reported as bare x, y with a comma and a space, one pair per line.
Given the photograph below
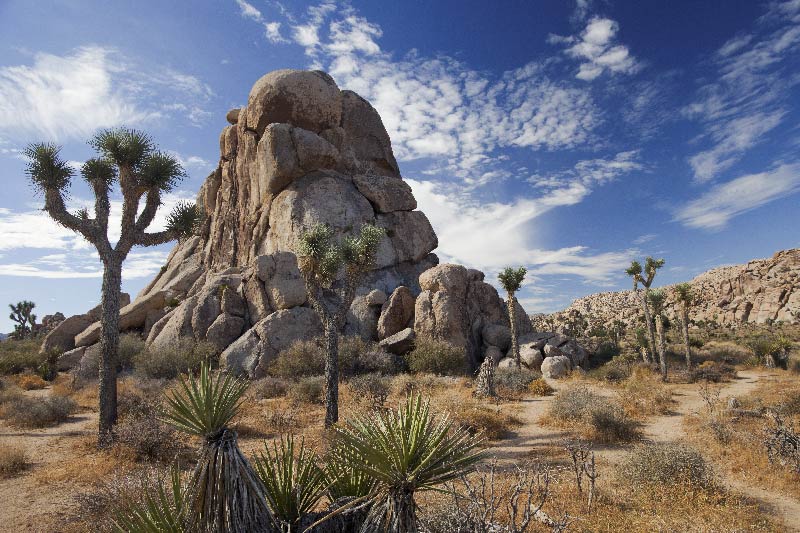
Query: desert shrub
269, 387
573, 404
696, 342
31, 382
602, 418
130, 345
358, 356
436, 357
772, 350
610, 423
28, 412
720, 429
301, 359
725, 352
12, 461
170, 362
142, 432
372, 388
644, 394
793, 365
480, 419
606, 351
790, 404
19, 355
307, 390
540, 387
515, 380
712, 372
782, 442
668, 463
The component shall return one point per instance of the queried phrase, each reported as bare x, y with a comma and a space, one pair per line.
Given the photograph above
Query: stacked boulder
553, 353
302, 153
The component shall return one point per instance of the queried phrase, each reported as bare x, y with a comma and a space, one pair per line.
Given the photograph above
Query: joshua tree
321, 261
129, 158
646, 278
686, 298
511, 280
657, 299
22, 314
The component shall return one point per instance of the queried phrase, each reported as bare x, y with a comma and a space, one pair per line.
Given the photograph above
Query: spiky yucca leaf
99, 170
634, 270
293, 481
406, 451
46, 170
343, 477
184, 219
684, 293
162, 512
657, 299
511, 278
161, 170
123, 146
204, 405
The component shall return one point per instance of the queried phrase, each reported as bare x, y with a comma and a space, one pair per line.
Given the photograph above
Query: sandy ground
532, 435
39, 506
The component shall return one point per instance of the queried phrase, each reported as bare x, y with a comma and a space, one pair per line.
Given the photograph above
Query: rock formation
761, 291
303, 152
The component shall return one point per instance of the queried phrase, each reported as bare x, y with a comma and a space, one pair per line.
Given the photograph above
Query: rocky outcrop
761, 291
458, 306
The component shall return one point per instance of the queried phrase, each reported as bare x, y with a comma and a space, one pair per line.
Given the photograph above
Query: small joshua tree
646, 278
657, 299
321, 261
511, 280
686, 298
22, 314
128, 158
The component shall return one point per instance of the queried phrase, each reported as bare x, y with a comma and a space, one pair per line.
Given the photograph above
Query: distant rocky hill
761, 291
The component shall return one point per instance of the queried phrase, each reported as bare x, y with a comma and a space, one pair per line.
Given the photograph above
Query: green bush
170, 362
605, 418
301, 359
514, 379
32, 412
19, 355
667, 463
307, 390
437, 357
130, 345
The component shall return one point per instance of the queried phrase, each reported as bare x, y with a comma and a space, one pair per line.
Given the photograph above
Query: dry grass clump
598, 418
269, 387
712, 371
28, 412
307, 390
479, 417
31, 382
540, 387
514, 382
372, 389
667, 463
148, 438
13, 460
169, 363
436, 357
643, 394
356, 356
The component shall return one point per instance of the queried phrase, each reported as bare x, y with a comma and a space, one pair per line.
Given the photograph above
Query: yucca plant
162, 512
293, 481
224, 493
405, 452
344, 479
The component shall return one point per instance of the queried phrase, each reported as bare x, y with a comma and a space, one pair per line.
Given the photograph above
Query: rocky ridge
761, 291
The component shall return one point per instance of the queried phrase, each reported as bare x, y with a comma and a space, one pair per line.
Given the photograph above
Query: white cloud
61, 97
748, 98
597, 51
714, 209
35, 232
249, 11
273, 32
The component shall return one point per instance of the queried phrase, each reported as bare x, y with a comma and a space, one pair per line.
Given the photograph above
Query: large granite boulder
396, 312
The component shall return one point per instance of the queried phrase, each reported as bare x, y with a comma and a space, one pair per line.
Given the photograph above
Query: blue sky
566, 136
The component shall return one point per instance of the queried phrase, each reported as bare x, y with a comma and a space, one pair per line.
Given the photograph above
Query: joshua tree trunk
331, 373
651, 333
662, 356
109, 343
513, 321
685, 328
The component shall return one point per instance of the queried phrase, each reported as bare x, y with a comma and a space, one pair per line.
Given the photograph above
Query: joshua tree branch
154, 239
131, 194
54, 205
152, 203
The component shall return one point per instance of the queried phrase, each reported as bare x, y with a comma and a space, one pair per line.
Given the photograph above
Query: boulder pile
301, 153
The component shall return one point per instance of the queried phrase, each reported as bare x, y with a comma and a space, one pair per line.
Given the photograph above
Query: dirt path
39, 506
532, 436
